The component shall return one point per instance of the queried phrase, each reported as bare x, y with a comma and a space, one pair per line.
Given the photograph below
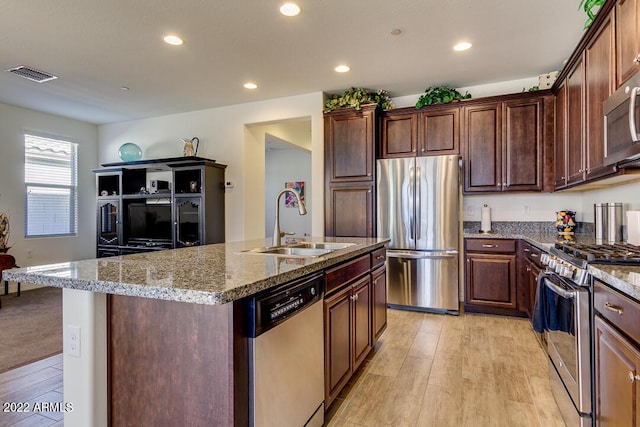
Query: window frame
72, 187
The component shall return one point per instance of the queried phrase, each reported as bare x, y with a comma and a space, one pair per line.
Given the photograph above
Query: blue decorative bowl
129, 152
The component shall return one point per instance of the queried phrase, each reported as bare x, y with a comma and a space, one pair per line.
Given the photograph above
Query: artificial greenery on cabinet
356, 97
589, 6
440, 95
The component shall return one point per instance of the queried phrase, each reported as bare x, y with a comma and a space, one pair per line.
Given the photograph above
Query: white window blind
50, 174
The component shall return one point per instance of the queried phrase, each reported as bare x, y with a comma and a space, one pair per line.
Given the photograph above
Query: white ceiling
97, 46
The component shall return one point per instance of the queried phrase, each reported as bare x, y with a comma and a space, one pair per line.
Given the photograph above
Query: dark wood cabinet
350, 141
399, 135
490, 276
617, 369
379, 289
350, 210
560, 141
439, 131
627, 16
355, 314
575, 124
482, 156
348, 338
599, 85
523, 145
504, 144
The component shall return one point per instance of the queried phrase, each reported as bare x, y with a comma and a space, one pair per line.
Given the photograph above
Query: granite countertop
624, 278
209, 274
541, 239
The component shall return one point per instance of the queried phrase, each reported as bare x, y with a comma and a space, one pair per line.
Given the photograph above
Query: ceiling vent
32, 74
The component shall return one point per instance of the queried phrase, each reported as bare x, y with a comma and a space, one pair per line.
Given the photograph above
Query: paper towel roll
633, 227
485, 219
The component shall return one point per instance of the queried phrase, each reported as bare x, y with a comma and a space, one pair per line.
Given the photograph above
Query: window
50, 175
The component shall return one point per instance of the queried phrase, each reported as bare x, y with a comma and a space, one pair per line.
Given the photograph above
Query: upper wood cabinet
349, 144
627, 16
399, 135
560, 141
439, 131
431, 131
504, 144
350, 141
574, 123
599, 65
482, 156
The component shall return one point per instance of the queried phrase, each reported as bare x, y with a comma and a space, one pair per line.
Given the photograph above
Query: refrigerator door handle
418, 213
423, 255
411, 190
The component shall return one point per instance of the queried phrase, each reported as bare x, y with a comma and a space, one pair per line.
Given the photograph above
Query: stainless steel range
563, 313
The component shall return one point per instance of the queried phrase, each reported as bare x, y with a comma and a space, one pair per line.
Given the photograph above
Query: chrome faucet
302, 210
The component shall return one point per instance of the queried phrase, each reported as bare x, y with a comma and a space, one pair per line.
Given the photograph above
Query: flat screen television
149, 222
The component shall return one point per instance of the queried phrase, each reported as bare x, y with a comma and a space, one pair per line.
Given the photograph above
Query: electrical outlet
29, 253
73, 341
526, 210
469, 211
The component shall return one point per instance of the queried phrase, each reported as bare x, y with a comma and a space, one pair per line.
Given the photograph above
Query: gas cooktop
618, 253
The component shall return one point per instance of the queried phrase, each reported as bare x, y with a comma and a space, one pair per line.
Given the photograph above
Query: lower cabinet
355, 315
617, 378
617, 357
490, 276
348, 338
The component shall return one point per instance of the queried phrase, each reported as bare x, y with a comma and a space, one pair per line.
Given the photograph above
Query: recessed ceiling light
462, 46
342, 68
250, 85
396, 31
173, 40
290, 9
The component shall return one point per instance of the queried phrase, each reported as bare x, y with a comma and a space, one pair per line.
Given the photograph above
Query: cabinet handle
633, 378
528, 269
504, 184
489, 246
636, 60
498, 185
613, 308
527, 250
369, 174
354, 297
534, 255
562, 178
380, 257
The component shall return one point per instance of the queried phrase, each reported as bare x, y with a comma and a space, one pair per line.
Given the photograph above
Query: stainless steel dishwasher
286, 354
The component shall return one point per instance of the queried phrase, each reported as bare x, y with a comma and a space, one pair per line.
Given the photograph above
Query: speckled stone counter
626, 279
543, 240
210, 274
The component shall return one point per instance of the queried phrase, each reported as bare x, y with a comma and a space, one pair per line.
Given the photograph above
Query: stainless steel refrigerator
418, 210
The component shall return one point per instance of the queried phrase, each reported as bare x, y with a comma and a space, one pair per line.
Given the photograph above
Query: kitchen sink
322, 245
301, 249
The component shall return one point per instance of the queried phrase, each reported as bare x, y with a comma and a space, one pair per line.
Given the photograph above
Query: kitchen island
162, 336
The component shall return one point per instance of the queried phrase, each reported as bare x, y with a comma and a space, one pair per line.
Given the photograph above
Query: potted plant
356, 97
440, 95
589, 6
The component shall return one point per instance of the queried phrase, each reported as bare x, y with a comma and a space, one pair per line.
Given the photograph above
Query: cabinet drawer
618, 309
533, 255
490, 245
378, 257
341, 275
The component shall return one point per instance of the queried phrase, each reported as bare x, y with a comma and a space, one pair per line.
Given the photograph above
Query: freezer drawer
425, 281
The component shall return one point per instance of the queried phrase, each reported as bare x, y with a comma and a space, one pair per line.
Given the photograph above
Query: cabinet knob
562, 178
613, 308
498, 185
369, 174
633, 377
636, 60
504, 184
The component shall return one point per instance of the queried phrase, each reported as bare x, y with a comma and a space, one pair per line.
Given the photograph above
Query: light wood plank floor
38, 382
440, 370
426, 370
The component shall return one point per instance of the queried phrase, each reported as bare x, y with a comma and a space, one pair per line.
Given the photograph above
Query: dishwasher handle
423, 255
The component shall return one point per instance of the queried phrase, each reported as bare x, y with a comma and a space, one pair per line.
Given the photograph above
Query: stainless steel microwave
622, 123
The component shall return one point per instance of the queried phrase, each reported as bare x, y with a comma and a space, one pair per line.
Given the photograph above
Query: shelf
187, 195
147, 196
174, 161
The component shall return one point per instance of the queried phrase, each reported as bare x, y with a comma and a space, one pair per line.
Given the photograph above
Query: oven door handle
558, 290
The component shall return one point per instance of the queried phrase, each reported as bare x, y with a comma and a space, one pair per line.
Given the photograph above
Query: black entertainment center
138, 214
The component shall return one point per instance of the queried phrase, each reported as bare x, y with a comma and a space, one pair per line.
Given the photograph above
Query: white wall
14, 122
226, 137
284, 166
628, 194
